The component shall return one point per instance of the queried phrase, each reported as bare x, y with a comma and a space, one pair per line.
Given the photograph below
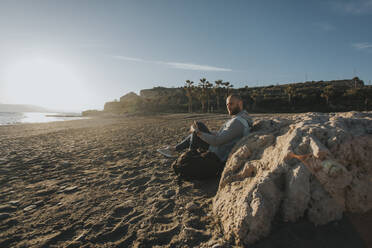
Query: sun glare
43, 82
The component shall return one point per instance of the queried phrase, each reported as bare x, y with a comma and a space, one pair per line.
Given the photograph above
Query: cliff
320, 96
158, 92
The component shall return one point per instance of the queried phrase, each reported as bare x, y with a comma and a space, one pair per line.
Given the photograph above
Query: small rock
70, 189
29, 208
4, 216
14, 203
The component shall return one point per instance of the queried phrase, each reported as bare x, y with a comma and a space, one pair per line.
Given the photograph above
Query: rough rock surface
314, 166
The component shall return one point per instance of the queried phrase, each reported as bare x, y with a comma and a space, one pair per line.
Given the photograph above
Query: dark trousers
194, 164
192, 141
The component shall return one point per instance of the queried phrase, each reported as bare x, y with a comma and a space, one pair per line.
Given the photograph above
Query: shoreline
17, 118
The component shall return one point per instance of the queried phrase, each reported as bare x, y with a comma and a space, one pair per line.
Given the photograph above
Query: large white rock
310, 165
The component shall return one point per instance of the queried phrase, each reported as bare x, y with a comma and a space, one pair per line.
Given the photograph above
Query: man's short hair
236, 97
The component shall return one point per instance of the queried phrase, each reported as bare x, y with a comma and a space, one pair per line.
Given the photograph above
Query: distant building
159, 92
131, 96
353, 83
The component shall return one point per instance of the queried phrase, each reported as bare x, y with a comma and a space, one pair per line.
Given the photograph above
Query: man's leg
183, 144
192, 141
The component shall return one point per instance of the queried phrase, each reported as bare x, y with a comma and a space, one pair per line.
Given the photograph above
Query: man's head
234, 104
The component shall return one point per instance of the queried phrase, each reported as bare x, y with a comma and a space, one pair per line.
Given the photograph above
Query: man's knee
202, 127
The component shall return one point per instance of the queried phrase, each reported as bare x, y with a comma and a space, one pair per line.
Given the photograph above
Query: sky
75, 55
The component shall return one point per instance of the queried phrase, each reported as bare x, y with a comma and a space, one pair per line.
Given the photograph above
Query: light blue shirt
231, 132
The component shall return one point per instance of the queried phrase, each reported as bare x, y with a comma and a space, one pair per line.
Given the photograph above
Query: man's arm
236, 129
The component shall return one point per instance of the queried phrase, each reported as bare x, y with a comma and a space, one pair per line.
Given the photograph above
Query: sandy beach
101, 183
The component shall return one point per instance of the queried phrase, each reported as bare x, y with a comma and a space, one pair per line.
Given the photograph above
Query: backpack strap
243, 121
245, 124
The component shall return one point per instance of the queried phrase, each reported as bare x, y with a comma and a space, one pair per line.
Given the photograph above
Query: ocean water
11, 118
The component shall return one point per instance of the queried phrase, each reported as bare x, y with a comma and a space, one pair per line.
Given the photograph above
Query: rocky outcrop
313, 166
130, 97
159, 92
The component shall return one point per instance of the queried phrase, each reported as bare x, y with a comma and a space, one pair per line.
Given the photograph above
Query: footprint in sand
137, 185
45, 192
63, 235
163, 207
119, 220
139, 181
160, 235
121, 211
130, 174
119, 231
115, 170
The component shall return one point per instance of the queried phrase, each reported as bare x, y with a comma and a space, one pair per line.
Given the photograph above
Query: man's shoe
167, 152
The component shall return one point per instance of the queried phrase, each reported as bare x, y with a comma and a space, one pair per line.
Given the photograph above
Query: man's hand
194, 128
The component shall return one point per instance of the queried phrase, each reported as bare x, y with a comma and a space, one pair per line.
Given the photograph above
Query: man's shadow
208, 187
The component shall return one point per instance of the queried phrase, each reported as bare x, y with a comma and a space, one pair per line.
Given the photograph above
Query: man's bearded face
232, 106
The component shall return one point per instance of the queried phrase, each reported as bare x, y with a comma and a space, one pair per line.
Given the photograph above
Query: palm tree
203, 92
328, 93
290, 90
217, 91
208, 86
255, 95
228, 86
189, 92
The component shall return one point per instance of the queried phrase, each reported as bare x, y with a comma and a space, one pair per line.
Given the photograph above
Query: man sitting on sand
208, 151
